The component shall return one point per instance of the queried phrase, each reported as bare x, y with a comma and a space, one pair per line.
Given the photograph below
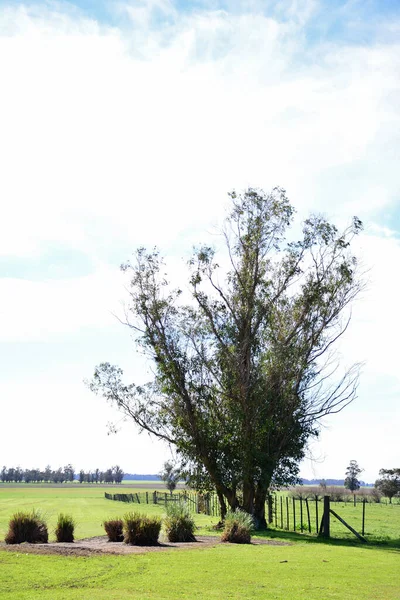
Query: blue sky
125, 124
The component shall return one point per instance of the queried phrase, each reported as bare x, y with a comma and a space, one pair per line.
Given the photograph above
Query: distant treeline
61, 475
331, 482
135, 477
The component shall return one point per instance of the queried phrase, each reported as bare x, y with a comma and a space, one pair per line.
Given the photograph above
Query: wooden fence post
301, 515
308, 516
326, 518
287, 513
294, 514
363, 517
270, 509
281, 512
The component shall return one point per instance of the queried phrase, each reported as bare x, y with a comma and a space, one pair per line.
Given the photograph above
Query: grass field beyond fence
307, 569
382, 520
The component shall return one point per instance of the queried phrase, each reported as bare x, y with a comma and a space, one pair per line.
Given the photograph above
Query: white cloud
89, 129
40, 310
114, 137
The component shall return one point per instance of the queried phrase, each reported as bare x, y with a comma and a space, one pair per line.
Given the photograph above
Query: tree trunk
222, 504
260, 521
248, 497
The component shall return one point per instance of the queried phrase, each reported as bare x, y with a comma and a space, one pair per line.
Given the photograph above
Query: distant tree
108, 476
389, 483
58, 476
118, 474
170, 474
81, 476
351, 482
69, 473
322, 485
3, 474
47, 473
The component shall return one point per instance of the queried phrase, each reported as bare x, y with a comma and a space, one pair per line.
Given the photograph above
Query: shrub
179, 524
337, 493
65, 528
237, 527
141, 530
27, 527
305, 493
113, 529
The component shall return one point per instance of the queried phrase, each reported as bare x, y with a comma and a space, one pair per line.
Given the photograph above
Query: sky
125, 123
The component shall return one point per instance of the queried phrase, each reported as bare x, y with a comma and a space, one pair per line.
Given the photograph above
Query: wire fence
198, 503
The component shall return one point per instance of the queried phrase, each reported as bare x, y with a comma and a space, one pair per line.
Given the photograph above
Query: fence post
363, 517
294, 514
281, 512
155, 497
147, 497
301, 515
287, 513
270, 509
316, 516
326, 518
308, 516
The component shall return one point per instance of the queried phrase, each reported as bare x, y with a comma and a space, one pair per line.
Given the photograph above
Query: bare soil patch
101, 545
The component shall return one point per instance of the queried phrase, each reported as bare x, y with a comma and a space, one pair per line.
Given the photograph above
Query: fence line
199, 503
303, 514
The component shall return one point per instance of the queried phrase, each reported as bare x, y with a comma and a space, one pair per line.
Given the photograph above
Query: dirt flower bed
101, 545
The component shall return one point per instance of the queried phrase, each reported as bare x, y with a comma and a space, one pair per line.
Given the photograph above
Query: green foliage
65, 528
27, 527
179, 524
114, 530
351, 482
170, 474
239, 386
389, 483
141, 530
238, 526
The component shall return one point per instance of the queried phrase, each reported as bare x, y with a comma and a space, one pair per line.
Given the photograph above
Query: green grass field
306, 569
382, 521
86, 504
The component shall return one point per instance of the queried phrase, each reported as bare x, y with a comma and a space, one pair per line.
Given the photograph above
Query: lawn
301, 571
306, 569
86, 504
382, 521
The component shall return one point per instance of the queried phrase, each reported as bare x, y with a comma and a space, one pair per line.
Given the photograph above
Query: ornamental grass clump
238, 526
65, 528
141, 530
114, 529
27, 527
179, 524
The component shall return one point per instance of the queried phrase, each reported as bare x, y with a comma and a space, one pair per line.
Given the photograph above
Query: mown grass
382, 521
86, 505
307, 569
301, 571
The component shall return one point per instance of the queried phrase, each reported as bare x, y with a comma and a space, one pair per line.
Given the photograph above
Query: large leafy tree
244, 367
389, 483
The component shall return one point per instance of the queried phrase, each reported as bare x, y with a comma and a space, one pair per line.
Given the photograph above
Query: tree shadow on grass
373, 543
